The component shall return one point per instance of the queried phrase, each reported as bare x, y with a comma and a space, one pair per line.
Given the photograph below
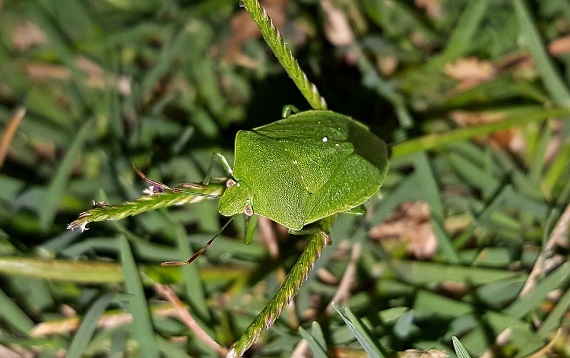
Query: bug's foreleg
250, 226
220, 158
359, 210
201, 251
288, 109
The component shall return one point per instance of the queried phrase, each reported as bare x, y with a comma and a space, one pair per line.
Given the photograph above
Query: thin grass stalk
103, 211
438, 140
293, 282
281, 51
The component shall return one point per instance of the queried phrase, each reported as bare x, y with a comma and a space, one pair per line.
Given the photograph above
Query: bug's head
236, 199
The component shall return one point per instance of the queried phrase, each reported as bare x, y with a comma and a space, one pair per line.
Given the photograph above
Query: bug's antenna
158, 187
201, 251
155, 186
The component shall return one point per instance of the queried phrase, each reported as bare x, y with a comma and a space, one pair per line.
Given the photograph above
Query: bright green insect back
304, 168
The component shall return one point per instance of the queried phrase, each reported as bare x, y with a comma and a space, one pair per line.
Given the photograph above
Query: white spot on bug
325, 139
336, 145
295, 162
230, 182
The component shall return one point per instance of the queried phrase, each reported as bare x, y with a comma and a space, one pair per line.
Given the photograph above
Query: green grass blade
467, 27
432, 196
551, 78
315, 340
459, 349
420, 273
368, 343
88, 326
556, 317
384, 88
557, 172
554, 321
58, 183
13, 314
84, 272
170, 350
555, 279
438, 140
119, 342
142, 324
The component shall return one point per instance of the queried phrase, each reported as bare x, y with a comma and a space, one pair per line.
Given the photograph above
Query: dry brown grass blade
546, 261
9, 132
109, 320
188, 320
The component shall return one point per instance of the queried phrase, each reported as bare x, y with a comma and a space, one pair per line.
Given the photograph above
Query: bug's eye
248, 210
230, 182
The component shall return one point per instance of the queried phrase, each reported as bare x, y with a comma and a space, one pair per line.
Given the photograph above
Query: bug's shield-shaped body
304, 168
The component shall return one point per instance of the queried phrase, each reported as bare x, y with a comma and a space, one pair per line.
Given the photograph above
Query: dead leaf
244, 29
110, 320
470, 69
337, 28
560, 46
26, 35
96, 76
453, 289
410, 224
15, 352
42, 71
9, 132
509, 139
420, 353
432, 8
387, 65
94, 72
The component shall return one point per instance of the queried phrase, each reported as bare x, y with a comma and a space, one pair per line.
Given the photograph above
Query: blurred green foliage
165, 83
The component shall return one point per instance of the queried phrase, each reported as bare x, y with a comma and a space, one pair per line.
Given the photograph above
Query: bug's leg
307, 231
154, 186
187, 185
158, 187
312, 231
220, 158
288, 109
359, 210
201, 251
250, 226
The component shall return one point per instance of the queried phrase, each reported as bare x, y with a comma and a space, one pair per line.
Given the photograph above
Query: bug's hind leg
359, 210
312, 231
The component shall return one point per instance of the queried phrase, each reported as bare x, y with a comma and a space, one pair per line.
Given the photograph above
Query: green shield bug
301, 169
